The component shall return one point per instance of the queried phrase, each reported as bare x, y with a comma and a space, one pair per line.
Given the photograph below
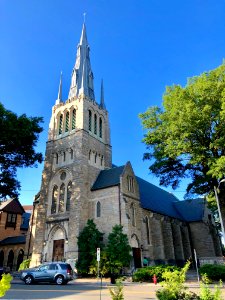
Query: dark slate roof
157, 200
12, 206
107, 178
13, 240
154, 198
191, 210
26, 219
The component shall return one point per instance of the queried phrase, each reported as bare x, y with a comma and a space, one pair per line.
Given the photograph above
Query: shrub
5, 284
117, 292
213, 272
24, 264
146, 274
207, 294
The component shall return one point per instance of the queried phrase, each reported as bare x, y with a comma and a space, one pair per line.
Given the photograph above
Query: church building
79, 182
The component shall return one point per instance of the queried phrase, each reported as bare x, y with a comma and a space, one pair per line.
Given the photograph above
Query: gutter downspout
120, 206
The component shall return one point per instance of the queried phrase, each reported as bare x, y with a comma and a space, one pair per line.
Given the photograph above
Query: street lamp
219, 211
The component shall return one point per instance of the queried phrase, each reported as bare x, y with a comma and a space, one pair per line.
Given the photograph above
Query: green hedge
213, 272
146, 274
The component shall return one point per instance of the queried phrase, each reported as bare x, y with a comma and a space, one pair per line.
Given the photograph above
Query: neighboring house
79, 183
14, 223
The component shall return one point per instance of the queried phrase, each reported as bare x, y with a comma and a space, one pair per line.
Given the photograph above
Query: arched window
90, 121
54, 199
147, 230
60, 124
98, 209
95, 124
64, 156
68, 195
67, 122
71, 153
96, 157
102, 159
133, 221
89, 156
10, 259
56, 158
74, 119
61, 198
100, 127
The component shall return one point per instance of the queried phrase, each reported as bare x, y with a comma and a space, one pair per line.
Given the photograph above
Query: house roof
12, 206
12, 240
154, 198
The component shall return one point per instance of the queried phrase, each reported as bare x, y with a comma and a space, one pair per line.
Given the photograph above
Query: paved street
84, 289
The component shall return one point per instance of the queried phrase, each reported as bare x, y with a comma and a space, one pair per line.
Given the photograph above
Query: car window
53, 267
44, 268
65, 266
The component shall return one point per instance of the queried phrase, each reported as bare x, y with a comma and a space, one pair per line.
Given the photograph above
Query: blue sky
138, 47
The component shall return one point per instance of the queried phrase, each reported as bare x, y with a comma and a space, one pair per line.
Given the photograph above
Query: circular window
63, 175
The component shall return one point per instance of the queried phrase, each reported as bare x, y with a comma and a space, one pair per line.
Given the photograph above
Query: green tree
18, 138
117, 250
5, 284
88, 241
186, 139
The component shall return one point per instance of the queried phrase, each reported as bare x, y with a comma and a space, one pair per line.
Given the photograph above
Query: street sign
98, 254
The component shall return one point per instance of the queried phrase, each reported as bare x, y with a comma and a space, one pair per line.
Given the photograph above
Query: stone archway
1, 258
56, 243
19, 259
136, 251
10, 260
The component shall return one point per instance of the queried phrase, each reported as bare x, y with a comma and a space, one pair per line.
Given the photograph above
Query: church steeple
82, 75
102, 100
59, 99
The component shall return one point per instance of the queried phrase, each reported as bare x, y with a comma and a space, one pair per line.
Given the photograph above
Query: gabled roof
108, 178
12, 206
154, 198
191, 210
13, 240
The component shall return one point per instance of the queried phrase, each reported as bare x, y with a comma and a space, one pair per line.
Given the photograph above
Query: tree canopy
186, 138
117, 250
18, 138
89, 240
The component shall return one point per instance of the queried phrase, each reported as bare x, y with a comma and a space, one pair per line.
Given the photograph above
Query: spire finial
59, 99
84, 14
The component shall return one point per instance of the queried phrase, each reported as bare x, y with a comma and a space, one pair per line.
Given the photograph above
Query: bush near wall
213, 272
146, 274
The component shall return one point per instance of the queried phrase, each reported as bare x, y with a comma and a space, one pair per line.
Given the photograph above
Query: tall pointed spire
59, 99
82, 76
102, 100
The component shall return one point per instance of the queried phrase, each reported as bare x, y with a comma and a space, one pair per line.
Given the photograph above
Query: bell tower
78, 147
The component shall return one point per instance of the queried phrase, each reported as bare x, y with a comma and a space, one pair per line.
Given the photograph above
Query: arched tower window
102, 159
54, 199
67, 122
89, 156
90, 120
98, 209
71, 153
68, 195
147, 230
60, 124
100, 127
56, 158
74, 119
96, 157
133, 221
64, 156
61, 198
95, 124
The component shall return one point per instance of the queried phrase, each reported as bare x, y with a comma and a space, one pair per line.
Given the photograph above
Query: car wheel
28, 279
59, 280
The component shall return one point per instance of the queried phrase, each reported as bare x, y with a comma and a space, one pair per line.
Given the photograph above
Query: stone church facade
79, 183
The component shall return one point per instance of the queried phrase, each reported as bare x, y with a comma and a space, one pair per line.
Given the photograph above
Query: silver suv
58, 272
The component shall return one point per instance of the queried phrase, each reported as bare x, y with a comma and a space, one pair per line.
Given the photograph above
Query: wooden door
58, 250
137, 257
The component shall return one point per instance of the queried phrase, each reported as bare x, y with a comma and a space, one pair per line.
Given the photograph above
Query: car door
42, 273
52, 271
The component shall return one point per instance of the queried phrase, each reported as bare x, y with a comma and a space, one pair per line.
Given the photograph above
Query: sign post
98, 258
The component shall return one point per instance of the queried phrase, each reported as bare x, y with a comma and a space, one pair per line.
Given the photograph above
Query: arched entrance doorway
1, 258
10, 259
58, 241
136, 251
19, 259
